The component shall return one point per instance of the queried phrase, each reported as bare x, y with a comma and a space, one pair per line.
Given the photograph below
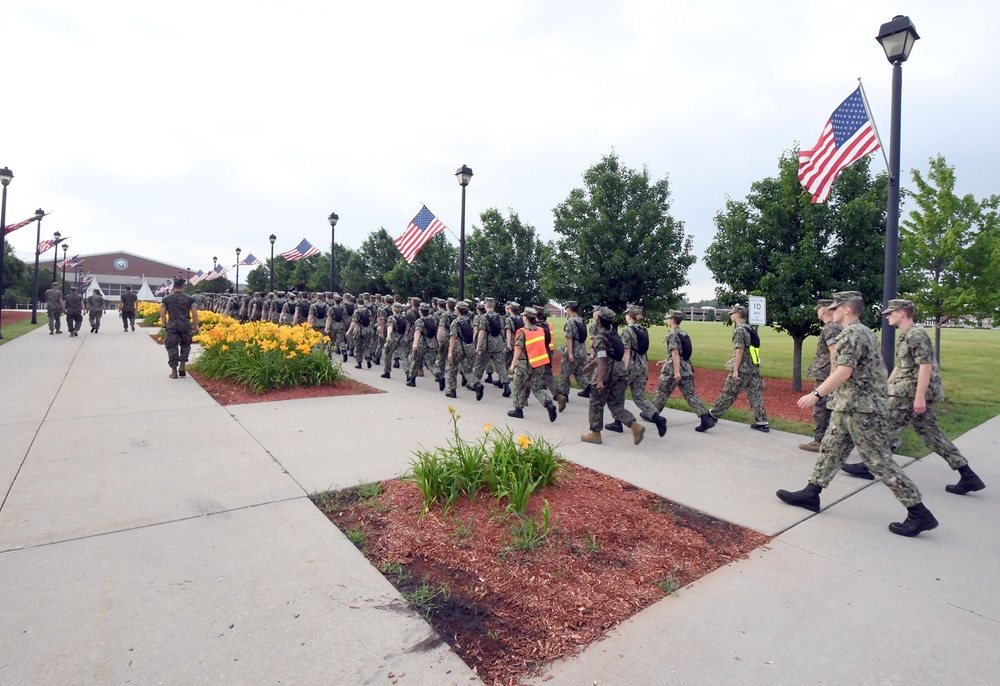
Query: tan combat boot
812, 447
173, 372
561, 401
181, 370
592, 437
638, 431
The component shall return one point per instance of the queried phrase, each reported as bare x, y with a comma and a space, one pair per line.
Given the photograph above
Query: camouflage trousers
901, 413
74, 320
638, 375
869, 432
95, 319
178, 345
362, 340
487, 361
460, 361
612, 395
55, 319
442, 354
574, 368
527, 377
393, 345
127, 319
667, 385
754, 387
821, 415
424, 357
336, 335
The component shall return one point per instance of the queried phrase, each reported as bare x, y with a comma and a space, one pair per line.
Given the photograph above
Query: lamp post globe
333, 218
464, 176
897, 38
6, 176
270, 267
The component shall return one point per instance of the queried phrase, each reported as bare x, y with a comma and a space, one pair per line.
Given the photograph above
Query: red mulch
12, 316
229, 393
511, 612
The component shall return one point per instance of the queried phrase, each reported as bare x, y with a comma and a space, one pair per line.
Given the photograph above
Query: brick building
113, 271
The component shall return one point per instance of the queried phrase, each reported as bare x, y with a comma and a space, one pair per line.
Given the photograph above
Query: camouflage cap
424, 306
348, 296
572, 304
738, 308
843, 297
397, 306
898, 304
514, 305
55, 283
633, 309
490, 301
462, 305
605, 314
451, 300
531, 311
674, 313
823, 302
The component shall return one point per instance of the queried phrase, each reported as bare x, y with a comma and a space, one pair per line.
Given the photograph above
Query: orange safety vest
534, 347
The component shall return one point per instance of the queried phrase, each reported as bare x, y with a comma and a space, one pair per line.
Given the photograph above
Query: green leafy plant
426, 598
670, 584
357, 536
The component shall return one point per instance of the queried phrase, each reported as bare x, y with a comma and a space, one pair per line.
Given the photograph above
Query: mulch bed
229, 393
509, 612
12, 316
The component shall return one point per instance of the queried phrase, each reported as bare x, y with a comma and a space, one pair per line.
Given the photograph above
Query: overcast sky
182, 130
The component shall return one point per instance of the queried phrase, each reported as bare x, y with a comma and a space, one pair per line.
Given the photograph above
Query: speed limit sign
758, 310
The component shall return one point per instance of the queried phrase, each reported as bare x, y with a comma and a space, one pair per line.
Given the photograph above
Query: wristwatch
816, 393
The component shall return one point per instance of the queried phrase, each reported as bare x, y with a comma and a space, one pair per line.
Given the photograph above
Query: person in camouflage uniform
820, 369
288, 309
74, 305
548, 378
178, 312
127, 307
336, 317
360, 334
490, 349
95, 308
609, 379
858, 408
382, 315
574, 357
635, 337
425, 347
395, 336
460, 347
317, 315
528, 365
914, 387
745, 374
678, 373
446, 316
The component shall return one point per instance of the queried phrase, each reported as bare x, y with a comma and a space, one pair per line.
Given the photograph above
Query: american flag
165, 288
70, 263
197, 277
421, 229
251, 261
45, 246
216, 273
15, 227
303, 249
847, 137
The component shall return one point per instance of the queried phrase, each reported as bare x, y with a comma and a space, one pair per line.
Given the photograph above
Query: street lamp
65, 247
897, 38
238, 251
5, 178
333, 245
39, 213
464, 175
270, 267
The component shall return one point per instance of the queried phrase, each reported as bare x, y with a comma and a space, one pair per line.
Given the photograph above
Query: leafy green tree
619, 243
16, 287
776, 243
432, 272
503, 259
366, 270
938, 250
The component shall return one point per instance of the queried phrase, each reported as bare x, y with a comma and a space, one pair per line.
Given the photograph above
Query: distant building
113, 271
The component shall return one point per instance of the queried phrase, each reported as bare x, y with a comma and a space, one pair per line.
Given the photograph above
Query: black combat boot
395, 363
369, 361
552, 411
763, 428
517, 413
585, 393
489, 378
412, 383
808, 497
919, 519
661, 424
386, 375
358, 365
506, 390
441, 382
857, 469
345, 356
969, 482
707, 422
615, 426
450, 394
479, 388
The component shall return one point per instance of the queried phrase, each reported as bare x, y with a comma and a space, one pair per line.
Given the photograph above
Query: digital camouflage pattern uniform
395, 330
668, 383
491, 355
178, 329
461, 358
749, 381
914, 349
527, 377
361, 335
425, 347
336, 317
615, 382
637, 373
74, 312
95, 306
858, 417
820, 371
568, 368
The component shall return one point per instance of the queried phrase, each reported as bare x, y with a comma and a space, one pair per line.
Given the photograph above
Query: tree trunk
937, 341
797, 363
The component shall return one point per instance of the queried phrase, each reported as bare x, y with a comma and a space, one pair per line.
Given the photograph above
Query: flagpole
868, 111
39, 214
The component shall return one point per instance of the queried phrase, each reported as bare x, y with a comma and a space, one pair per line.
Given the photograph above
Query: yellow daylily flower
488, 428
524, 441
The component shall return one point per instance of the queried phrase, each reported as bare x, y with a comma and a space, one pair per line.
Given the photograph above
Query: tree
938, 250
503, 259
432, 272
14, 282
365, 270
619, 242
778, 244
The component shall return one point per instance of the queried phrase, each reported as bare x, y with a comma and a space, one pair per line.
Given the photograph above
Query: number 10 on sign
758, 310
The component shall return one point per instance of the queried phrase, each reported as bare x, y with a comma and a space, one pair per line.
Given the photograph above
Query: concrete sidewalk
148, 535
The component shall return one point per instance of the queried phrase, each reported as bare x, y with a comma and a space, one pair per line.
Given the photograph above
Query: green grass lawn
12, 331
969, 358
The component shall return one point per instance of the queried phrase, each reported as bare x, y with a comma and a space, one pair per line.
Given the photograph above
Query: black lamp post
897, 38
5, 178
333, 247
270, 267
65, 247
189, 274
39, 213
238, 251
464, 175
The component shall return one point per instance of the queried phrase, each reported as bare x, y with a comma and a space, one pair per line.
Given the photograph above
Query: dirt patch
612, 550
229, 393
